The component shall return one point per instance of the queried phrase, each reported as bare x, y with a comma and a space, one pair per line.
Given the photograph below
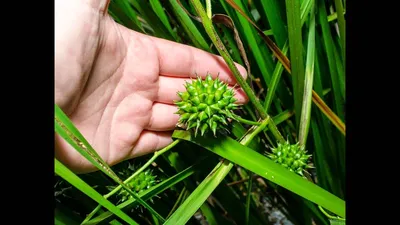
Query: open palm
118, 86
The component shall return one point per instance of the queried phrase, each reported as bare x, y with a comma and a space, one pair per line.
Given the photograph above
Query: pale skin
118, 86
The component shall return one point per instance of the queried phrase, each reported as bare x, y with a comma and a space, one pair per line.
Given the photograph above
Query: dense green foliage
294, 50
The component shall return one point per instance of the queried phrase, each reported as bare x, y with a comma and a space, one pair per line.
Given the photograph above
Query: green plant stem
259, 129
293, 15
67, 130
276, 76
179, 200
329, 216
208, 26
305, 116
248, 197
342, 29
148, 163
209, 9
78, 183
141, 169
208, 185
242, 120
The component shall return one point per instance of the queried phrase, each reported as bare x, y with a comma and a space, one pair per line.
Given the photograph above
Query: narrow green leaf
228, 22
276, 76
261, 53
61, 218
341, 72
115, 222
254, 37
296, 54
248, 197
337, 222
320, 159
152, 19
305, 9
308, 82
233, 205
73, 179
333, 16
180, 160
178, 201
342, 24
274, 48
261, 165
209, 184
234, 50
207, 23
328, 45
271, 9
158, 9
325, 142
124, 12
286, 63
283, 116
268, 32
67, 130
208, 214
189, 26
149, 193
202, 192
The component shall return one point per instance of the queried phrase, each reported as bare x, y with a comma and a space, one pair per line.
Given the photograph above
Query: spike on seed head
209, 103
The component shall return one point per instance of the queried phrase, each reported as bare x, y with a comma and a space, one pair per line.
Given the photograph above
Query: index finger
179, 60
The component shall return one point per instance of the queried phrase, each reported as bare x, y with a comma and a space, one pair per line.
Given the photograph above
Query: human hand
118, 86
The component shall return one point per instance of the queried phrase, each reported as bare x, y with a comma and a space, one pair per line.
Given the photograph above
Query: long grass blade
228, 22
207, 23
158, 9
248, 198
73, 179
286, 63
148, 194
125, 14
198, 197
296, 53
274, 48
276, 76
209, 184
308, 82
272, 11
342, 26
264, 167
305, 9
152, 19
67, 130
61, 218
189, 26
265, 64
329, 45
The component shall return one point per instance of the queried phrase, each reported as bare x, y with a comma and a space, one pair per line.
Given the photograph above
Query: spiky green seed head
291, 156
206, 105
139, 183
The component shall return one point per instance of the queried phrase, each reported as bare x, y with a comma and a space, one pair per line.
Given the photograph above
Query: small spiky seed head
206, 105
139, 183
291, 156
